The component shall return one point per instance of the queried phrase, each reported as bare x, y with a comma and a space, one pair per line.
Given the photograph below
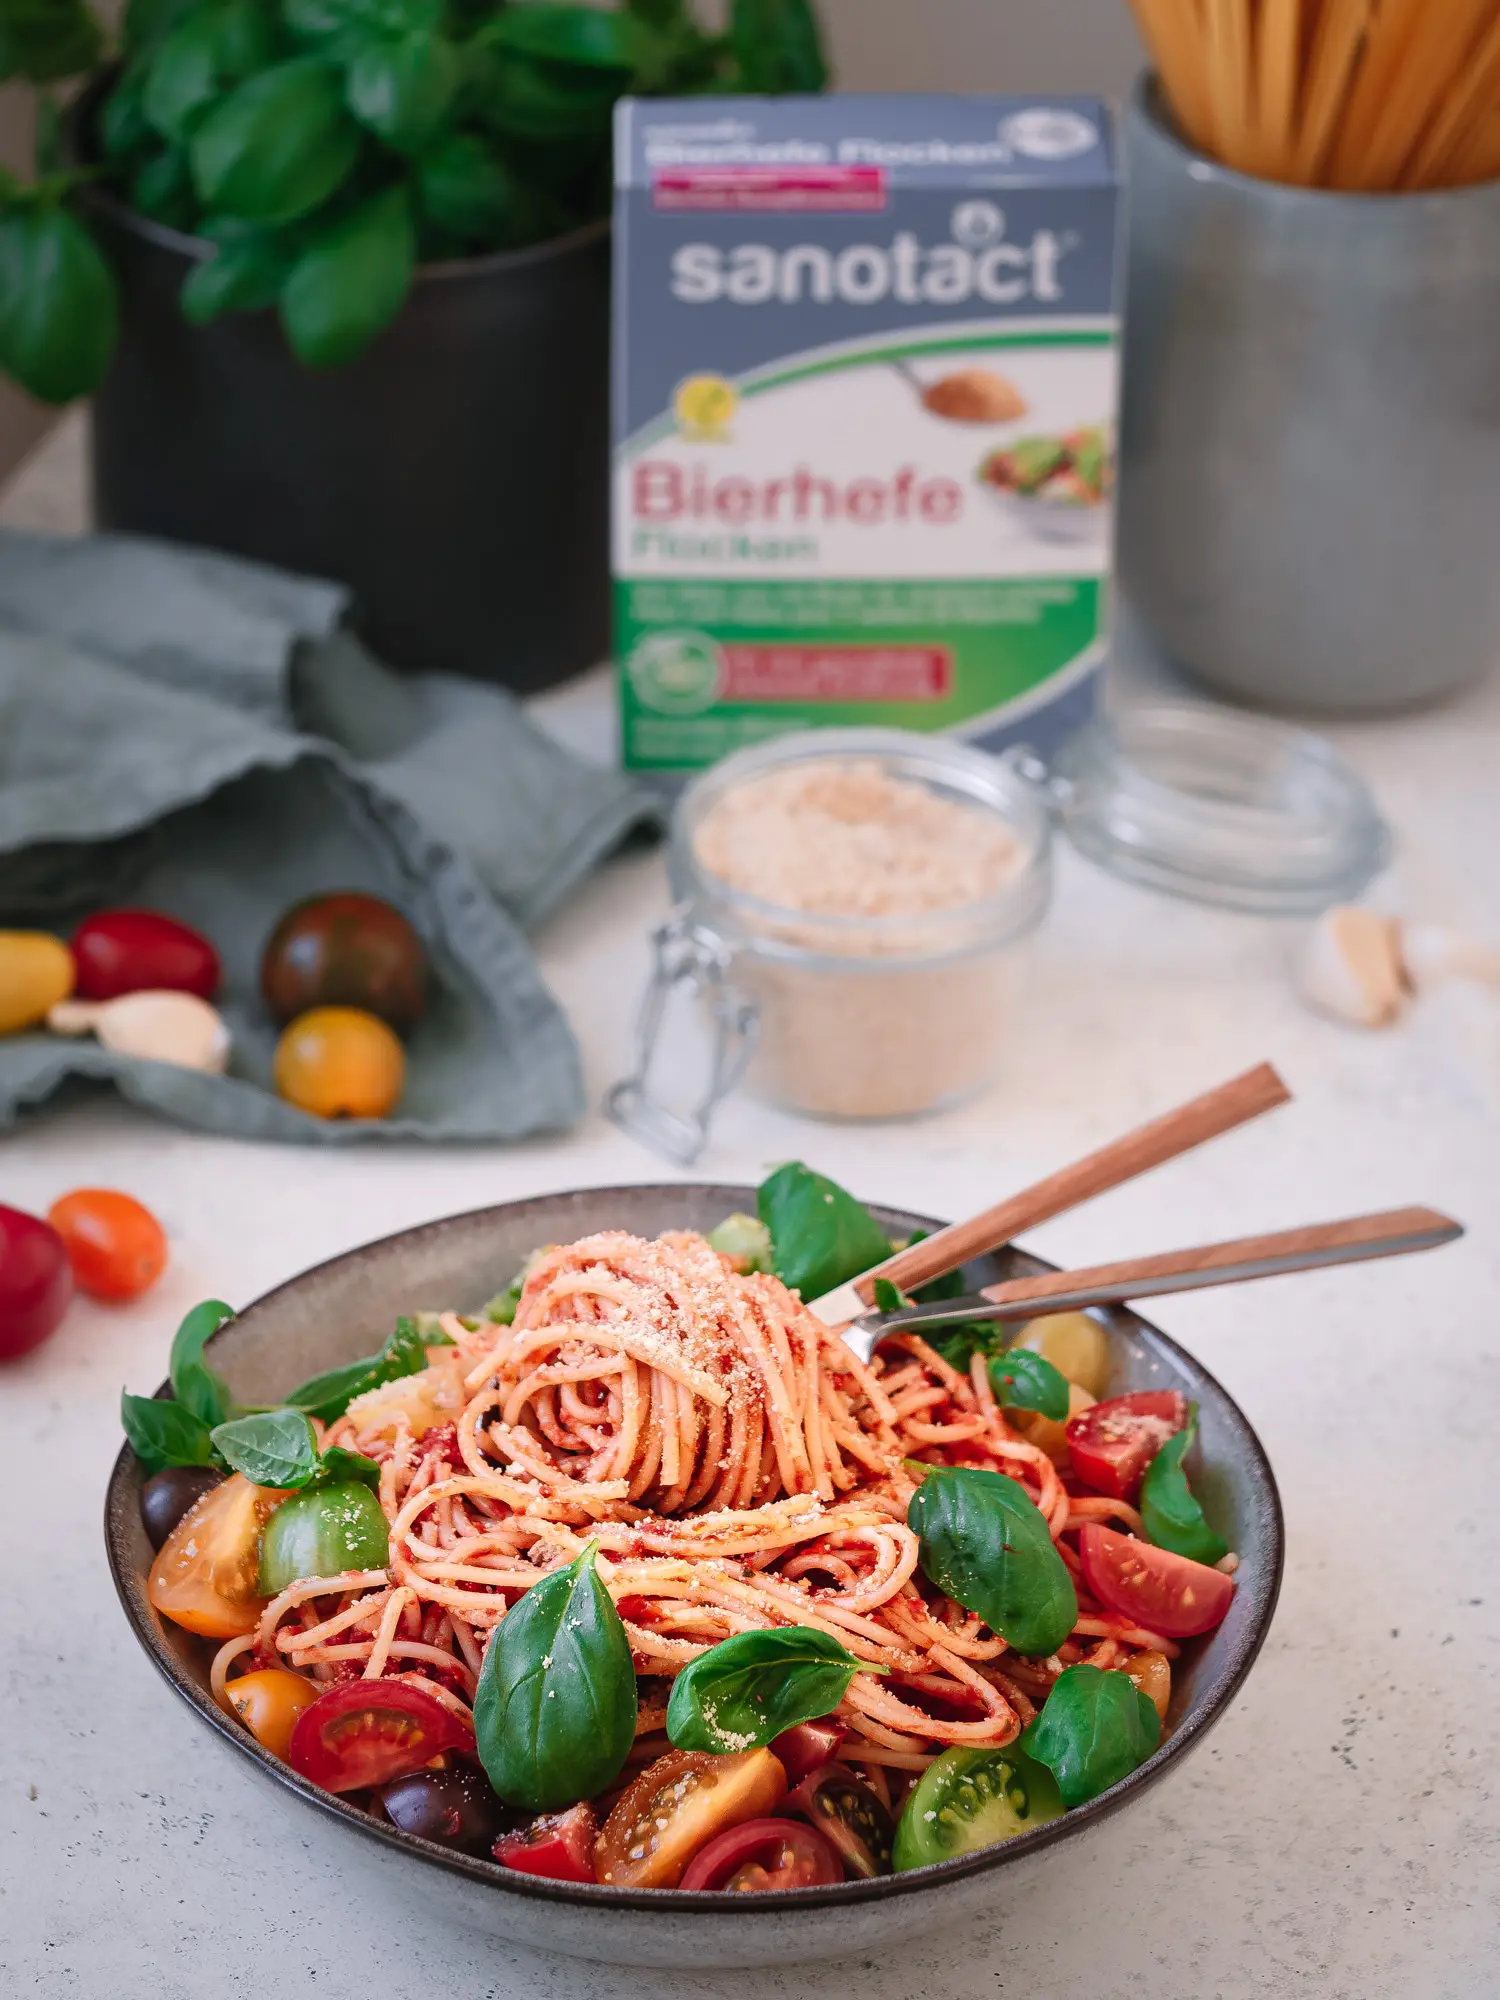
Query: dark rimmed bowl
346, 1307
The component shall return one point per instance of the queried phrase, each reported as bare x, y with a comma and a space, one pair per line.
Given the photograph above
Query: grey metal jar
1310, 451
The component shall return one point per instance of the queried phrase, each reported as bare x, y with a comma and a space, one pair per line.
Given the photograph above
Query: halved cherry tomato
115, 1244
558, 1845
1150, 1586
808, 1746
849, 1816
368, 1732
205, 1576
1152, 1674
677, 1805
765, 1854
36, 1282
269, 1702
141, 951
1113, 1442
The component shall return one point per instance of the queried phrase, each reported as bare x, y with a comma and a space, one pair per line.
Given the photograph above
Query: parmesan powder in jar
872, 888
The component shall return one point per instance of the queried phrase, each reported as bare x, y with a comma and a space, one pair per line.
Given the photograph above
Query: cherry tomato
36, 1281
368, 1732
1152, 1674
115, 1245
967, 1799
141, 951
323, 1532
269, 1702
849, 1816
807, 1747
456, 1807
558, 1845
167, 1495
345, 951
338, 1062
764, 1854
205, 1576
36, 971
1112, 1443
676, 1806
1150, 1586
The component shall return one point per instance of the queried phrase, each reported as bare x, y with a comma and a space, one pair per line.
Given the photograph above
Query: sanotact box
864, 399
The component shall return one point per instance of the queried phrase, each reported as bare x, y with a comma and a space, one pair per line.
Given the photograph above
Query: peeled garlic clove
1431, 954
1351, 967
176, 1028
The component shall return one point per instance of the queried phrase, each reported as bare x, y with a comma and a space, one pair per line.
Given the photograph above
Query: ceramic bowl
347, 1307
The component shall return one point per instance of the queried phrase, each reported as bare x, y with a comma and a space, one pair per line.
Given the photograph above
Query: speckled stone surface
1339, 1833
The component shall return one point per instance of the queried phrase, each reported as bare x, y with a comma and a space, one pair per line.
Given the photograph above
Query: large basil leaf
162, 188
278, 145
1094, 1729
521, 98
194, 1383
1025, 1380
44, 40
327, 1396
351, 281
183, 79
271, 1448
985, 1543
587, 36
555, 1709
1171, 1516
777, 46
58, 307
162, 1434
820, 1235
401, 90
243, 275
746, 1690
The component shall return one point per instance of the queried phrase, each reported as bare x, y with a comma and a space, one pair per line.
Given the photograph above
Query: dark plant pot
456, 476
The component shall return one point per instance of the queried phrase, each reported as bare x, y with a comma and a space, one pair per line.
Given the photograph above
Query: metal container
1310, 456
455, 476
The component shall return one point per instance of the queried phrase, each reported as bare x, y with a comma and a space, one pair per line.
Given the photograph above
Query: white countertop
1337, 1834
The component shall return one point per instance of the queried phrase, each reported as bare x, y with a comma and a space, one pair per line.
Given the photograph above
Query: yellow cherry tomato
1076, 1345
206, 1575
340, 1062
269, 1702
36, 971
1152, 1674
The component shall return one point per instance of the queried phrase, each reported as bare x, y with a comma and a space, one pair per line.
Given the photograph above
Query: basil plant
321, 149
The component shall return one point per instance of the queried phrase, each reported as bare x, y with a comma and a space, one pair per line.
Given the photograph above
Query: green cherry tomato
322, 1533
968, 1799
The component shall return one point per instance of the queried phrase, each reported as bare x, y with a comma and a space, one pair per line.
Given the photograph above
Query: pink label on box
836, 673
770, 190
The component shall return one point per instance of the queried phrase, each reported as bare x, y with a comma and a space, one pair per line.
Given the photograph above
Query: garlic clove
168, 1027
1431, 954
1351, 967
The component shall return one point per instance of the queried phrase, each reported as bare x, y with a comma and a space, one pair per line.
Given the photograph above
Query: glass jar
846, 1016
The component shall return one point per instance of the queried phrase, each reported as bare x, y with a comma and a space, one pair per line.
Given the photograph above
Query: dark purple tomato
166, 1497
141, 951
345, 950
456, 1807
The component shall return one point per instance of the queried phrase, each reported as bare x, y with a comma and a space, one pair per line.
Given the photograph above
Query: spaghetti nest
736, 1465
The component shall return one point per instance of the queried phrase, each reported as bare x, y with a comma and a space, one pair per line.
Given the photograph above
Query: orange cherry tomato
116, 1245
339, 1062
676, 1806
269, 1702
205, 1577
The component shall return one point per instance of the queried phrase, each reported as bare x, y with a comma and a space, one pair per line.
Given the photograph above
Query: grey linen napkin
187, 732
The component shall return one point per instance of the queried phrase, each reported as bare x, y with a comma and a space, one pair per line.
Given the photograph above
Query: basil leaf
1025, 1380
241, 276
350, 281
278, 145
162, 1434
984, 1542
777, 45
820, 1235
59, 309
555, 1708
401, 90
194, 1383
337, 1465
183, 79
272, 1448
327, 1396
587, 37
1095, 1728
889, 1298
746, 1690
1170, 1515
45, 40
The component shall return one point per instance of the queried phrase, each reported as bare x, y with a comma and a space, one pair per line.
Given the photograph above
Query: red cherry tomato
1112, 1443
141, 951
115, 1245
1151, 1586
368, 1732
36, 1281
559, 1846
765, 1854
807, 1747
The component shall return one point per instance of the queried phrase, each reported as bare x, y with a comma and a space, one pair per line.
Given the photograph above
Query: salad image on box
864, 399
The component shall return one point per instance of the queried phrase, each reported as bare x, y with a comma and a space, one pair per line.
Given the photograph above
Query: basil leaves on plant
748, 1689
820, 1235
555, 1708
400, 90
985, 1543
1170, 1515
278, 145
241, 276
350, 281
270, 1447
1095, 1728
44, 40
58, 305
777, 45
1025, 1380
327, 1396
